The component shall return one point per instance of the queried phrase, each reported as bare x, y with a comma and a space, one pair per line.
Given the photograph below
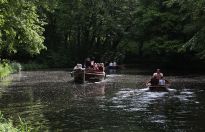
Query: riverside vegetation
62, 33
7, 67
6, 125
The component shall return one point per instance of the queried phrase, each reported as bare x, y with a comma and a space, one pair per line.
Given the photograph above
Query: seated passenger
96, 66
88, 63
101, 67
154, 81
114, 64
161, 81
158, 74
110, 64
78, 66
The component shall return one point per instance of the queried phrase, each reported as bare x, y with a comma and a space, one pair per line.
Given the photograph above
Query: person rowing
158, 74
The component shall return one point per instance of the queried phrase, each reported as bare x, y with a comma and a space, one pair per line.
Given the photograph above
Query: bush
16, 67
7, 67
5, 70
7, 125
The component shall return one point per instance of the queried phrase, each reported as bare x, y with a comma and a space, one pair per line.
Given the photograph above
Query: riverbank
7, 67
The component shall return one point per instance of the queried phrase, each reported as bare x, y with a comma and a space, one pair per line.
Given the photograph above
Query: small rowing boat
94, 76
158, 88
86, 74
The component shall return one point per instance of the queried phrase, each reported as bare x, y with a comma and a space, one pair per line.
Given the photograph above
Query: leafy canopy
20, 27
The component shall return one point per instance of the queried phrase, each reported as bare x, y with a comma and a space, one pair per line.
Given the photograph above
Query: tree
194, 29
91, 28
21, 29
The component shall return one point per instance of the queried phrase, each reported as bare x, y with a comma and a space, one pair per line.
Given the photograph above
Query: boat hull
158, 88
79, 76
94, 76
82, 76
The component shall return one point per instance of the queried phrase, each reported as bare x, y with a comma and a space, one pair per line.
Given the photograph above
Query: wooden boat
78, 75
158, 88
94, 75
82, 75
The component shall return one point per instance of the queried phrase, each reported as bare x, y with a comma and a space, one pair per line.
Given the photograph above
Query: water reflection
88, 90
120, 103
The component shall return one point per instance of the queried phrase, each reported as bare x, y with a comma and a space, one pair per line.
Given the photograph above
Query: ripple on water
135, 99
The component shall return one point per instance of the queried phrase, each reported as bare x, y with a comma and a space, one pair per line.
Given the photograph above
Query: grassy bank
6, 125
7, 68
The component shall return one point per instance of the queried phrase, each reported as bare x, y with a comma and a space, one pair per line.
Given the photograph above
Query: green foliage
7, 125
20, 27
16, 67
7, 67
89, 28
194, 26
79, 29
107, 30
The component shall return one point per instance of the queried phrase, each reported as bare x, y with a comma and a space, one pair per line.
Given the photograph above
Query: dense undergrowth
7, 67
6, 125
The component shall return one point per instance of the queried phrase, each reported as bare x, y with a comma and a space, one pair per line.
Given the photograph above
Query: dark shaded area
165, 33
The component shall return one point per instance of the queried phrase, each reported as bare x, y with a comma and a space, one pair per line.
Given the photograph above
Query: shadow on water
120, 103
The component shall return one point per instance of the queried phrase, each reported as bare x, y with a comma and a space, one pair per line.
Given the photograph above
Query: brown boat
94, 76
78, 75
81, 75
158, 88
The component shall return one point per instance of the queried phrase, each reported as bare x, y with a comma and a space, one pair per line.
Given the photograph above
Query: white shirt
114, 64
111, 64
161, 82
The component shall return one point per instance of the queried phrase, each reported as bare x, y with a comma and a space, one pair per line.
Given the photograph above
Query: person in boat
78, 67
110, 64
161, 81
92, 62
158, 74
87, 63
101, 67
154, 81
96, 68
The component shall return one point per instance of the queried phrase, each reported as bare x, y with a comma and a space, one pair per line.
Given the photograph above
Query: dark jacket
154, 81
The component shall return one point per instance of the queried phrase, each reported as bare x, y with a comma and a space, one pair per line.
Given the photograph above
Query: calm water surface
51, 100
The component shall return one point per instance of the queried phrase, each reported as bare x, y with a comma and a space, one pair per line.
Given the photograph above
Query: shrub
7, 67
7, 125
16, 67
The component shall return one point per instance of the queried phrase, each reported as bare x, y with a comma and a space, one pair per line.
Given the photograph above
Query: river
50, 100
